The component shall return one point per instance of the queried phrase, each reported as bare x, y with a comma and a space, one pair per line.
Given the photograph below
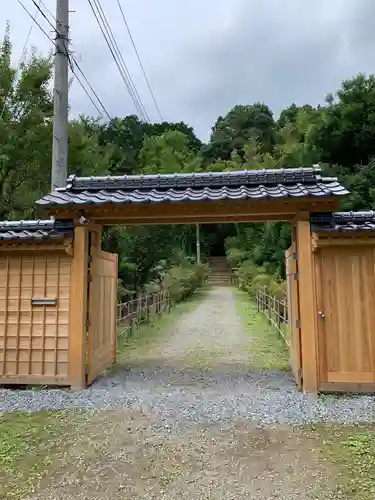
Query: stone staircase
220, 273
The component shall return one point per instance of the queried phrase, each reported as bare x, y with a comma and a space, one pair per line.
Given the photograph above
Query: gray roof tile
206, 186
343, 222
35, 230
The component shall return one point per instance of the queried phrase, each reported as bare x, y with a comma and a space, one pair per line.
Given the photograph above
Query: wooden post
198, 243
307, 305
78, 309
114, 342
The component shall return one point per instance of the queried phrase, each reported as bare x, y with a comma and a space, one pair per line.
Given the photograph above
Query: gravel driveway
193, 420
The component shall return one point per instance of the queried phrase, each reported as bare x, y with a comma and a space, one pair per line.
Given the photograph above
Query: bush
236, 257
182, 281
252, 278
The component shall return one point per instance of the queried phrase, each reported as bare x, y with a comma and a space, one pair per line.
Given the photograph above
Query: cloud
202, 58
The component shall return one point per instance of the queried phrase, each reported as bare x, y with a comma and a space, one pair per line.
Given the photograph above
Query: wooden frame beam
149, 221
78, 309
197, 212
324, 240
65, 246
307, 305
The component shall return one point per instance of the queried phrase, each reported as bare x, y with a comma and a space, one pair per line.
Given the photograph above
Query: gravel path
194, 421
212, 334
202, 373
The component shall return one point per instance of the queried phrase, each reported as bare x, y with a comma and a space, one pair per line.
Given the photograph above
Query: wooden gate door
295, 358
346, 316
101, 335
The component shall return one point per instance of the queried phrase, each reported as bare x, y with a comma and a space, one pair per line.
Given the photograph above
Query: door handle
321, 314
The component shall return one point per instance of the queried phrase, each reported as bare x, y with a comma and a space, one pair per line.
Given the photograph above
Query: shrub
182, 281
236, 257
252, 278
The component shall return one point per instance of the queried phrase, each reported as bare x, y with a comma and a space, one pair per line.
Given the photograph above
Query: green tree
168, 153
345, 130
125, 137
26, 108
241, 124
289, 114
25, 129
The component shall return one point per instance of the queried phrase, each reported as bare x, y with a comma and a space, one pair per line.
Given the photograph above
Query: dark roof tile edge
37, 230
306, 175
340, 222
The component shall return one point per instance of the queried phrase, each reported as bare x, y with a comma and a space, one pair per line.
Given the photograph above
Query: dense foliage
339, 134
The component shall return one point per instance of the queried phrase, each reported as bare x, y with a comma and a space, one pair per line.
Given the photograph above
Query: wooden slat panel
78, 309
293, 313
357, 377
102, 314
30, 334
4, 291
307, 305
346, 296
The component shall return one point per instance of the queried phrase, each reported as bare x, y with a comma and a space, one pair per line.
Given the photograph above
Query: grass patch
203, 356
353, 449
268, 351
30, 444
132, 349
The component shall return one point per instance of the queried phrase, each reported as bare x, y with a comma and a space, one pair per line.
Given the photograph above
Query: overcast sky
203, 57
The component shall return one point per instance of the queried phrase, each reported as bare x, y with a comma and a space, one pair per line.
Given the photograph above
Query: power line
110, 39
47, 9
43, 14
35, 21
90, 86
39, 10
19, 62
120, 62
139, 59
89, 96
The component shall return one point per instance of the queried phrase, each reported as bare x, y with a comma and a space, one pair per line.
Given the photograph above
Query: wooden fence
131, 314
276, 311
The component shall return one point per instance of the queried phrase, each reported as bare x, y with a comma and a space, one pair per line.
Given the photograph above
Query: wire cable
88, 95
35, 21
117, 57
125, 72
139, 60
47, 9
44, 15
90, 86
68, 56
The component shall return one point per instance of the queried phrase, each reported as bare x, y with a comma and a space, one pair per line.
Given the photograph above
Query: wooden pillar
96, 236
78, 309
198, 243
307, 304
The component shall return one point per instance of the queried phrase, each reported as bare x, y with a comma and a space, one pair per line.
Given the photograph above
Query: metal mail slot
43, 302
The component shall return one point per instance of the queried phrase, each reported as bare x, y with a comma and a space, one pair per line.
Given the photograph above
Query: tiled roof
207, 186
343, 222
35, 230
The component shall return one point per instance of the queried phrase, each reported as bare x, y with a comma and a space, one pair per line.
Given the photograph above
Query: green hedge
181, 281
252, 278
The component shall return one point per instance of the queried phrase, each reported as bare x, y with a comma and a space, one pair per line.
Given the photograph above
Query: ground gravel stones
192, 420
201, 373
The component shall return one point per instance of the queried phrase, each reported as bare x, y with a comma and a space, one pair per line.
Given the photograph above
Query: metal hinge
298, 323
89, 277
296, 276
88, 323
89, 260
294, 256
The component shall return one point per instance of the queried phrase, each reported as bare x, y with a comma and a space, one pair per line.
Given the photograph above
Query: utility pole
198, 240
60, 97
